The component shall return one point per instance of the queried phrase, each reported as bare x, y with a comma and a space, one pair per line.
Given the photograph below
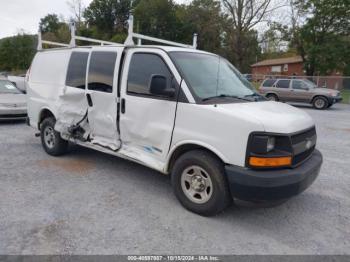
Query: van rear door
101, 95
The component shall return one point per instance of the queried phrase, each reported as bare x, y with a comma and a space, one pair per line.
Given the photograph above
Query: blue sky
17, 15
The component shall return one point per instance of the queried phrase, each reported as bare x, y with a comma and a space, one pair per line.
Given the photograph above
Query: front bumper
333, 100
264, 185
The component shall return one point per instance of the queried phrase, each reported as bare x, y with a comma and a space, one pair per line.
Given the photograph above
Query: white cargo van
178, 110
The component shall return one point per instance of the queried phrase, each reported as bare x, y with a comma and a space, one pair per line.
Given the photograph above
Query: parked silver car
19, 82
12, 102
299, 90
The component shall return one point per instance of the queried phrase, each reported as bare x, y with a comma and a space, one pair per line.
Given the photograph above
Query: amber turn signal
270, 161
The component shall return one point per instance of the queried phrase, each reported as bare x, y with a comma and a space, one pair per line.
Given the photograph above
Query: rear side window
298, 84
101, 71
283, 84
142, 67
269, 82
76, 74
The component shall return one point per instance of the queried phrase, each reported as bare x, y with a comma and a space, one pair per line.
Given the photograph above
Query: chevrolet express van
180, 111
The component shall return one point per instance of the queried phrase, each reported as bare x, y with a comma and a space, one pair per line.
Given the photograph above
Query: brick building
293, 66
288, 66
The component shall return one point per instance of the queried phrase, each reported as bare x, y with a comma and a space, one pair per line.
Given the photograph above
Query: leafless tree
244, 15
77, 9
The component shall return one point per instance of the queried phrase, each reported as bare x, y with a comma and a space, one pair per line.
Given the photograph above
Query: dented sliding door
101, 95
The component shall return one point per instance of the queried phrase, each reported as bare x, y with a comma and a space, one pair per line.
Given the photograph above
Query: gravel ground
91, 203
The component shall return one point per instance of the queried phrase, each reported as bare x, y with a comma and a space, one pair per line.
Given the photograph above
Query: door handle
122, 106
89, 100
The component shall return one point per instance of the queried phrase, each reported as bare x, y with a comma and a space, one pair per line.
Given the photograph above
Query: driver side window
143, 69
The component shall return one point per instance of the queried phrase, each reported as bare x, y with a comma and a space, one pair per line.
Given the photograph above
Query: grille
303, 145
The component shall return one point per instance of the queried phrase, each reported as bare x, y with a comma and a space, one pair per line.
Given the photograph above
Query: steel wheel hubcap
319, 103
272, 98
49, 137
196, 184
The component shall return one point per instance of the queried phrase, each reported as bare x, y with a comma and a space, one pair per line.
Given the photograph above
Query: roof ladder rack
129, 41
139, 37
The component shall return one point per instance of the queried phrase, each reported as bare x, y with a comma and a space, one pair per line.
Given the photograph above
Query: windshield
6, 87
212, 76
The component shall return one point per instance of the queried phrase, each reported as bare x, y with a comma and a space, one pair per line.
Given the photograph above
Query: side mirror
159, 86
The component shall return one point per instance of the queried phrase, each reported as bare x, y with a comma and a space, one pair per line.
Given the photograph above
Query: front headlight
269, 151
262, 144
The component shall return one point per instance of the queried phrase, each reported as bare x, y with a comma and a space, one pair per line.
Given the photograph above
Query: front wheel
272, 97
320, 103
51, 140
200, 184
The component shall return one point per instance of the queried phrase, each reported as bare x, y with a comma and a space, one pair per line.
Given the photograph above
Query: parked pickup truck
180, 111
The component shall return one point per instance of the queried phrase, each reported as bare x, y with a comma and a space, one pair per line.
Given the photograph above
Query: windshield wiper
226, 96
255, 95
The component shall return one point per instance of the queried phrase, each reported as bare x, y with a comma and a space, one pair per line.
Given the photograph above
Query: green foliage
53, 29
225, 27
16, 53
106, 18
242, 48
324, 40
156, 18
49, 23
204, 18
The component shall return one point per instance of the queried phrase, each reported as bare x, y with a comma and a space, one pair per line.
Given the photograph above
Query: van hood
275, 117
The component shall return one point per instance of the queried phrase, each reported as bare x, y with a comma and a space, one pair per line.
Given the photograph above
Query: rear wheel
200, 184
51, 140
272, 97
320, 103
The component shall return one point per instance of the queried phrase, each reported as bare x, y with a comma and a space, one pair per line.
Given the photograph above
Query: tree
204, 18
77, 9
250, 50
49, 23
16, 53
54, 29
156, 18
323, 40
243, 16
107, 17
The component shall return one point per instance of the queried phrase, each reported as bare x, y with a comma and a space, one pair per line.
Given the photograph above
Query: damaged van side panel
72, 103
102, 93
47, 83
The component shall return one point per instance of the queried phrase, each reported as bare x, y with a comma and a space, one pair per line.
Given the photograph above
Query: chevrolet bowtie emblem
308, 144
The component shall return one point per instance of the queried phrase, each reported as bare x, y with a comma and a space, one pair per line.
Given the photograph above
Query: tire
320, 103
208, 193
51, 140
272, 97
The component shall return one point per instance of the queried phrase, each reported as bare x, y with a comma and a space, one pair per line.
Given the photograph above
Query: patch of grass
256, 85
345, 93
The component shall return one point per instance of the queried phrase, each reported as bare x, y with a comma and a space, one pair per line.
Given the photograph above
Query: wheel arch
272, 93
318, 95
186, 146
44, 113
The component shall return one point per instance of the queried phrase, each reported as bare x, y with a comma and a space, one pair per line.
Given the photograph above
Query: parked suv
180, 111
299, 90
